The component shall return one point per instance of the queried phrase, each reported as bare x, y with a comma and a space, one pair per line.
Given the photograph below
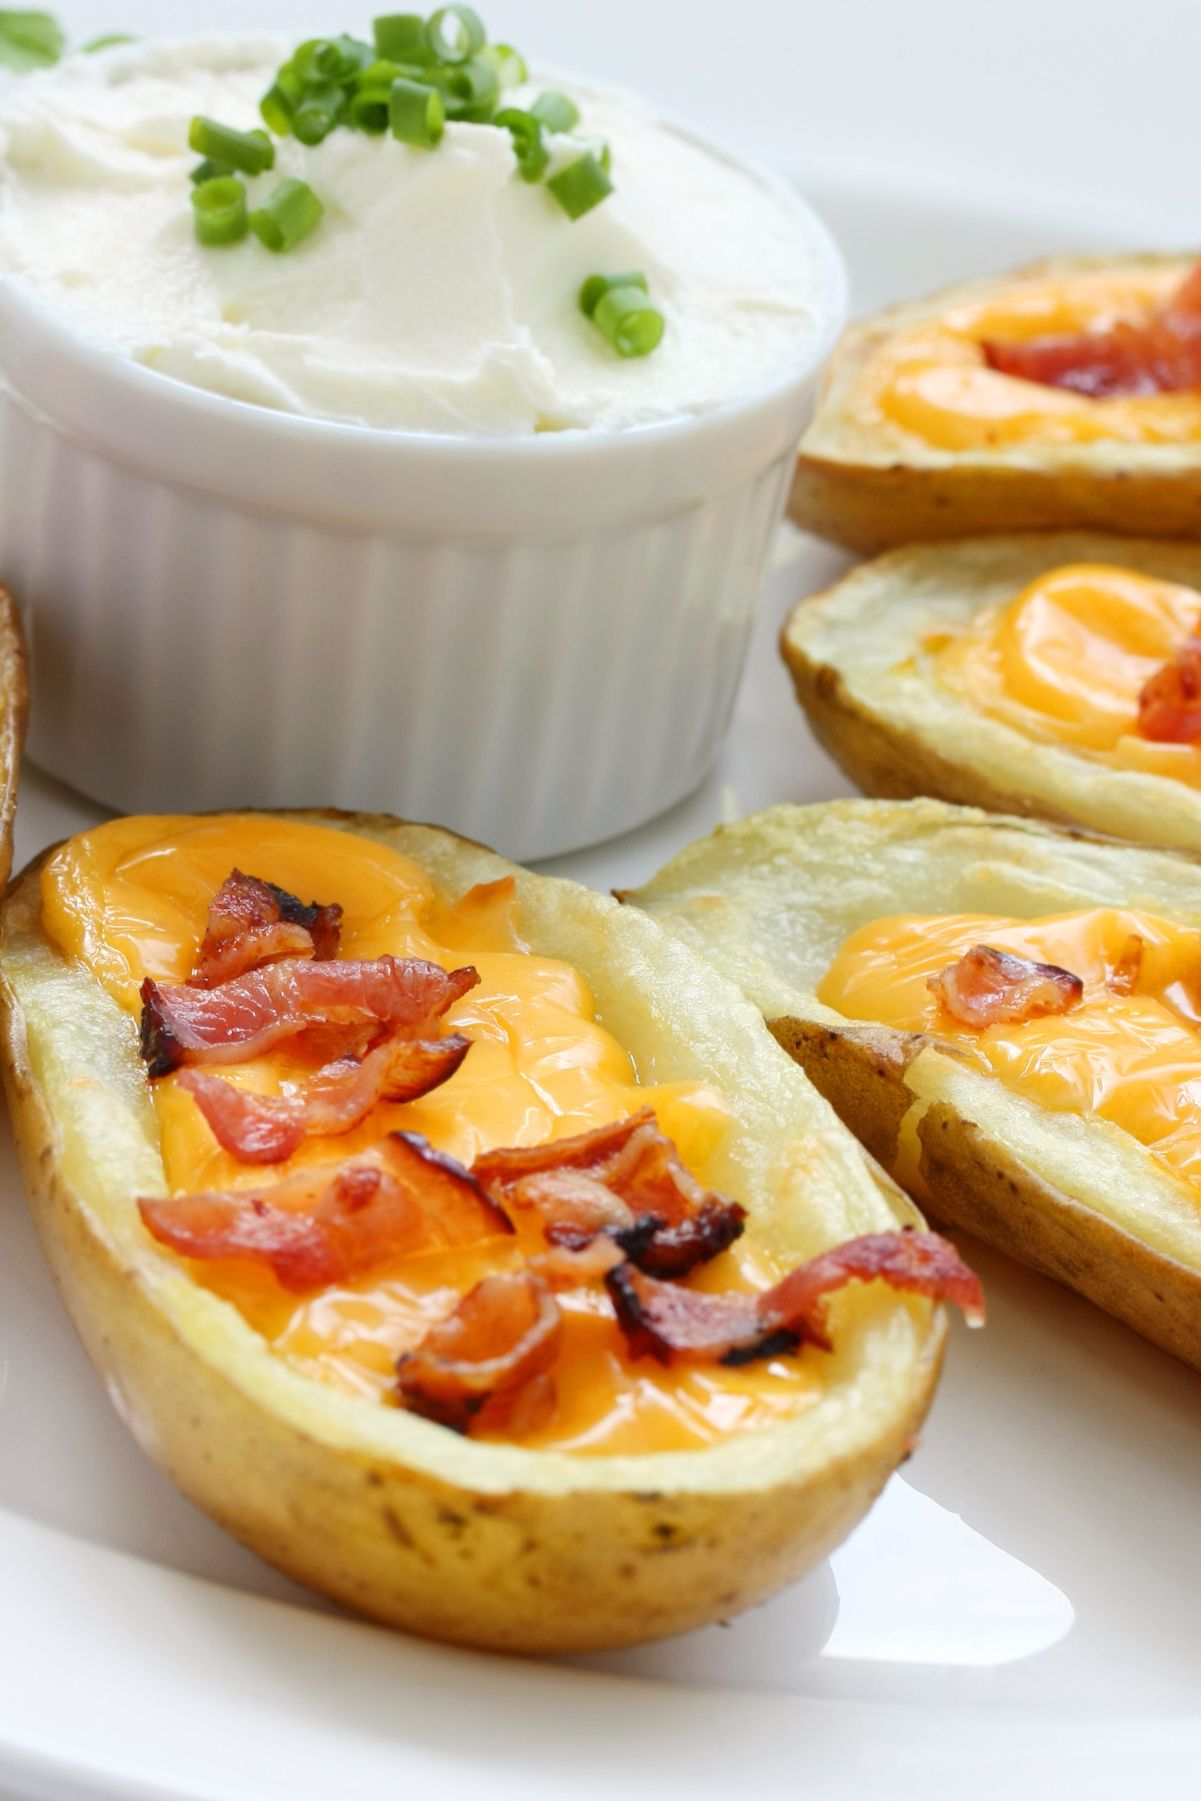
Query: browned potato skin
741, 894
528, 1569
14, 713
872, 504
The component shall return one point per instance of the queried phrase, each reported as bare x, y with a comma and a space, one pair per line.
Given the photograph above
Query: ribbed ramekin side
537, 692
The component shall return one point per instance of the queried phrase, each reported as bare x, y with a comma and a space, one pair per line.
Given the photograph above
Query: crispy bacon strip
625, 1180
350, 1002
1169, 705
1158, 355
321, 1226
502, 1336
663, 1320
259, 1128
252, 922
988, 987
1123, 977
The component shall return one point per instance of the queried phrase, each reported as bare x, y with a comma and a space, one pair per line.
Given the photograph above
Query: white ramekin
535, 642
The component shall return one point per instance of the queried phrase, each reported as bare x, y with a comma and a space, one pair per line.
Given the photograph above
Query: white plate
1018, 1614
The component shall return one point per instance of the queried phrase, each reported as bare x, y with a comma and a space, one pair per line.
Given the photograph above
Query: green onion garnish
279, 103
597, 286
219, 210
624, 316
325, 60
370, 111
209, 170
291, 212
455, 33
250, 151
108, 40
30, 40
318, 113
533, 158
556, 112
508, 63
472, 90
402, 38
580, 186
416, 114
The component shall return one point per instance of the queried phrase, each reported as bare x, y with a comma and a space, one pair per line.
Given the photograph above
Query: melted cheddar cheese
1134, 1059
932, 382
131, 899
1064, 662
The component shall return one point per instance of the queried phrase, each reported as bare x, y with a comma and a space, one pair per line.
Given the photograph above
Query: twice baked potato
776, 900
965, 672
917, 438
473, 1540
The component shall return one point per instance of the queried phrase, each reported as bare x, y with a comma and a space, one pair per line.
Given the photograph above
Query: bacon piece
663, 1320
988, 987
252, 922
351, 1002
262, 1128
625, 1180
502, 1336
565, 1268
1123, 977
1161, 354
1169, 705
321, 1226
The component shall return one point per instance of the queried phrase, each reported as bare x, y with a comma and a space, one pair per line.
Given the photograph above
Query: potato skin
853, 487
854, 653
520, 1562
778, 883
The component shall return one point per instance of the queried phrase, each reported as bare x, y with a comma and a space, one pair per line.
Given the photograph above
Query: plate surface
1017, 1615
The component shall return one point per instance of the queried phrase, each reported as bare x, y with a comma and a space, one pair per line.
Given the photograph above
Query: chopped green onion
108, 40
30, 40
325, 60
472, 90
580, 186
370, 111
291, 212
606, 159
556, 112
318, 113
508, 63
597, 286
633, 327
250, 151
279, 103
416, 114
403, 38
209, 170
533, 158
219, 210
455, 33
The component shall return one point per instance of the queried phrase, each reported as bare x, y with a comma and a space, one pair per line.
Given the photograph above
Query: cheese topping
439, 295
931, 381
130, 899
1066, 659
1132, 1058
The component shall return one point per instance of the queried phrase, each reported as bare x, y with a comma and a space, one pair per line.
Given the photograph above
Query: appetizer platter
576, 1261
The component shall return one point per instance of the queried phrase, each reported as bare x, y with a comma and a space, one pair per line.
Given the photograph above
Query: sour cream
439, 293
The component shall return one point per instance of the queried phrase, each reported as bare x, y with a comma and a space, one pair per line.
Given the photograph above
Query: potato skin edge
888, 764
871, 506
973, 1182
521, 1571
